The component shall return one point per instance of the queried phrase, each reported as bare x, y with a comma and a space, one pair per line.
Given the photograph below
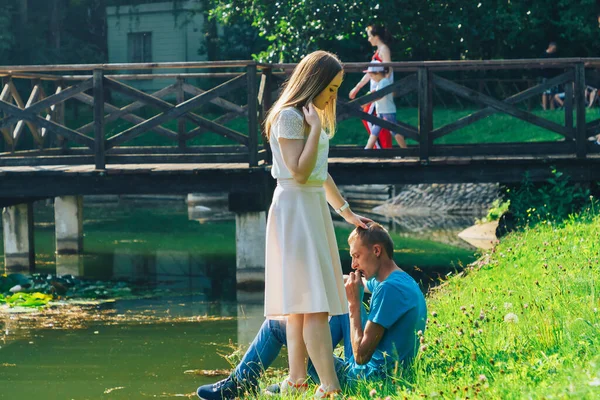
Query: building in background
157, 32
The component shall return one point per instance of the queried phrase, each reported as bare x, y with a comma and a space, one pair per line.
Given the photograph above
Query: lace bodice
290, 125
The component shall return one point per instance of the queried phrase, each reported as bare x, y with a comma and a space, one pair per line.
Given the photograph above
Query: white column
19, 251
250, 239
68, 222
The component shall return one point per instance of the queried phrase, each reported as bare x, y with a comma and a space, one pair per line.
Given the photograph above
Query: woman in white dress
303, 278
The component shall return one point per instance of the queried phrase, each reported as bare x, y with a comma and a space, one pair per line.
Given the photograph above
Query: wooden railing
52, 141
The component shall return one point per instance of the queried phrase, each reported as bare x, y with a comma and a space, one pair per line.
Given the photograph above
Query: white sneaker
287, 387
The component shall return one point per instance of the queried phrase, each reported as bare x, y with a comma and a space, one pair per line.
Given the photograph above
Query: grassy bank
523, 323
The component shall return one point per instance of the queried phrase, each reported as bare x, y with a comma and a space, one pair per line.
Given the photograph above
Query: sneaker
320, 393
287, 387
223, 390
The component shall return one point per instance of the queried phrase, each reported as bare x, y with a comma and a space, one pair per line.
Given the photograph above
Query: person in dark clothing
547, 96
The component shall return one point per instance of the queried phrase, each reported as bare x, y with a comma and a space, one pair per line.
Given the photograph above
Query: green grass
523, 323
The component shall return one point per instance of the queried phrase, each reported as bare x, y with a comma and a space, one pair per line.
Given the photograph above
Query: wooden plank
124, 112
425, 113
126, 66
134, 119
4, 96
15, 94
360, 152
400, 88
45, 160
252, 116
50, 125
517, 98
537, 149
265, 98
399, 127
180, 121
35, 92
49, 101
173, 112
220, 121
177, 158
568, 105
140, 150
194, 91
99, 139
580, 129
499, 105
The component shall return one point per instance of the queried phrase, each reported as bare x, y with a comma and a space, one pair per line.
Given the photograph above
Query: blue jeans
375, 129
272, 336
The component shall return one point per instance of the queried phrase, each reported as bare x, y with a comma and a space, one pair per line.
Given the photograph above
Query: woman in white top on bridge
303, 273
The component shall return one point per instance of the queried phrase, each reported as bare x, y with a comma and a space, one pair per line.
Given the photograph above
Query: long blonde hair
311, 76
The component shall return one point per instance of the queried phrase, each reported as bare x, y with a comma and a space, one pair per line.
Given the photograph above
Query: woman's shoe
320, 393
288, 387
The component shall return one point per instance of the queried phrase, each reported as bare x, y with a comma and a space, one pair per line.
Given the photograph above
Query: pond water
187, 315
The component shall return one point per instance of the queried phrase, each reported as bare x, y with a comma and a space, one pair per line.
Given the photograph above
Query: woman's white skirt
303, 272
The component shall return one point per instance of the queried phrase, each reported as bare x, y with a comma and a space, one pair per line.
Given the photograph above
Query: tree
424, 30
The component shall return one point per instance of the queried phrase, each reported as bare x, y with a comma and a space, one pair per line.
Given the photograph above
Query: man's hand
354, 287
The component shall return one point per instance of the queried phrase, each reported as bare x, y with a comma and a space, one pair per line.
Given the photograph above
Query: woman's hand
312, 118
355, 219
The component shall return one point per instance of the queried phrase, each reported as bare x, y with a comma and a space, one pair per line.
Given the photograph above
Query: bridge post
250, 238
19, 251
68, 223
425, 113
266, 101
252, 116
580, 130
99, 151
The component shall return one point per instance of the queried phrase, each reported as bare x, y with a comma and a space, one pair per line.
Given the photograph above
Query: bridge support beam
19, 250
250, 239
68, 222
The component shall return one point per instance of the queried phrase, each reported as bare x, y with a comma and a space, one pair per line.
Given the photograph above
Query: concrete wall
177, 34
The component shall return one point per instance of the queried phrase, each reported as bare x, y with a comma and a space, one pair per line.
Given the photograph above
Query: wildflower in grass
507, 306
511, 318
434, 314
463, 308
482, 378
481, 315
373, 392
423, 348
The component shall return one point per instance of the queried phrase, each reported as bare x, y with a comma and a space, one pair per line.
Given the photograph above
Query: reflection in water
69, 264
250, 312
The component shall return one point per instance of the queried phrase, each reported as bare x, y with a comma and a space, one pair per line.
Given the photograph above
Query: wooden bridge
44, 155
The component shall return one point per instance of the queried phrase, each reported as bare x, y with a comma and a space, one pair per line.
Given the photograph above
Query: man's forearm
356, 331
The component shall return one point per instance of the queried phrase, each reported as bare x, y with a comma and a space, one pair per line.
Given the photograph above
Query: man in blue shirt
374, 345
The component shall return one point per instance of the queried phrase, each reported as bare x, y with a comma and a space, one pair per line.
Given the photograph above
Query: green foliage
552, 201
498, 208
26, 299
424, 30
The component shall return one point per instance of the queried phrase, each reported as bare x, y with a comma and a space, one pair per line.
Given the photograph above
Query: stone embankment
428, 199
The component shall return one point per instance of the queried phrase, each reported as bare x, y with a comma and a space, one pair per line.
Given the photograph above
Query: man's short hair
374, 234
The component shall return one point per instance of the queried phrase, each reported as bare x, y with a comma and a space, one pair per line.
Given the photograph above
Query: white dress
303, 272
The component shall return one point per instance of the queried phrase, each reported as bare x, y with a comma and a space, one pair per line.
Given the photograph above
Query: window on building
140, 47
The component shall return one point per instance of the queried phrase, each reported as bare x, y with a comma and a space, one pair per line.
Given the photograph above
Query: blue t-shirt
398, 305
